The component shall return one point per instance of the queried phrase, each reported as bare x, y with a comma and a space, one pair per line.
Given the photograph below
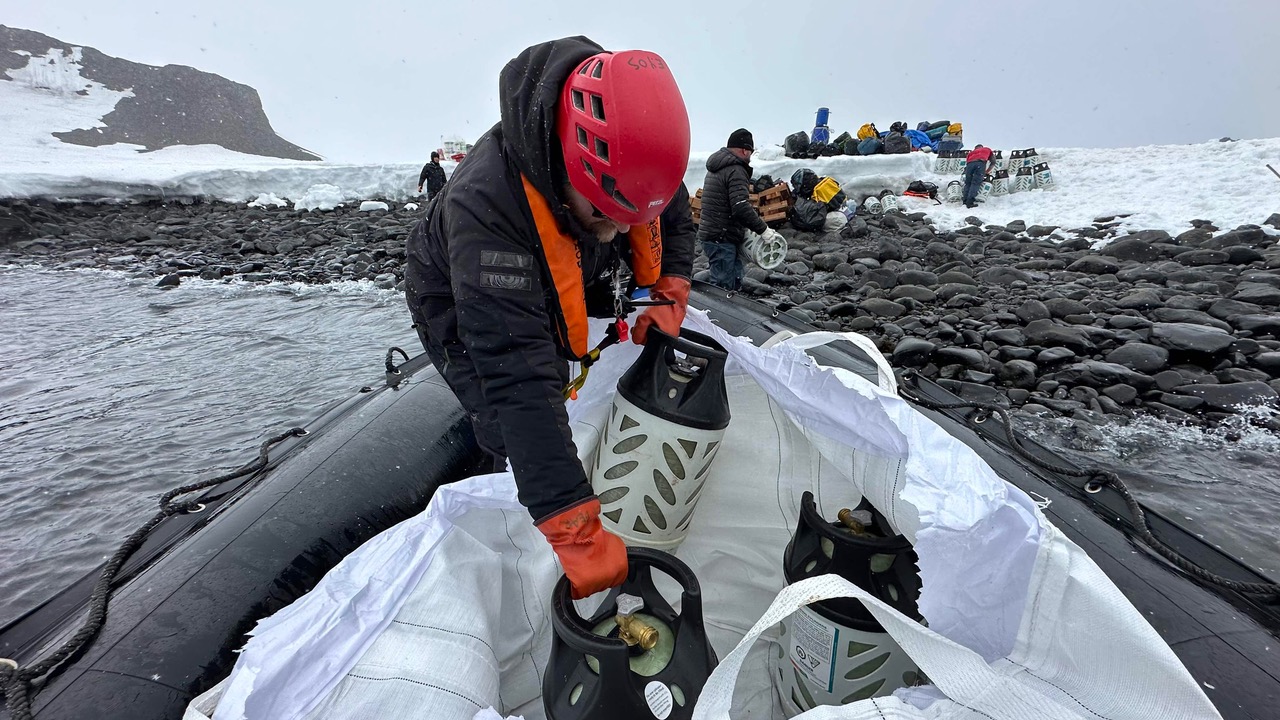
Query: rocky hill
161, 106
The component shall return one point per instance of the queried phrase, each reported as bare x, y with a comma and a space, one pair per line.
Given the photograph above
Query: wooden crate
774, 204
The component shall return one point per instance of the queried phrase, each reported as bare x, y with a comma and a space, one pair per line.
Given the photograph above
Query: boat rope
1098, 479
15, 681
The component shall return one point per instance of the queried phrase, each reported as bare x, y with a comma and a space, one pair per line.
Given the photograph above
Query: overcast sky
385, 82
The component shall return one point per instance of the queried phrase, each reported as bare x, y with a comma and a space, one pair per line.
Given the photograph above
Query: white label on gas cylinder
813, 648
658, 695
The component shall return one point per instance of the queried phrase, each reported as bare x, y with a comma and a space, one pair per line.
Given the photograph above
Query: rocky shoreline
1186, 327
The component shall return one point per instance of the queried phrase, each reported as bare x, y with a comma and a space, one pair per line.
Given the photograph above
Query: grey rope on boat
1099, 478
15, 681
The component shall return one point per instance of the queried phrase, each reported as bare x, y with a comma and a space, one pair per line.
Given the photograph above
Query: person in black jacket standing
432, 175
560, 208
727, 212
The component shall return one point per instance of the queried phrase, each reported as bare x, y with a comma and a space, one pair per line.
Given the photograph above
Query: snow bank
1159, 187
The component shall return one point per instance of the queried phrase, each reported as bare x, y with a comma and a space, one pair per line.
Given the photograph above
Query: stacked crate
774, 204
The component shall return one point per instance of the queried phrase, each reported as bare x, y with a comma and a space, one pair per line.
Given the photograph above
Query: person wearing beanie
432, 175
727, 213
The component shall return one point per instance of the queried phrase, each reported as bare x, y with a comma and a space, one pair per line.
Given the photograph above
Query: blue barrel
823, 115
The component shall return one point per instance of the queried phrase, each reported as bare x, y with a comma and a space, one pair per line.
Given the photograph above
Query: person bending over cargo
977, 164
572, 199
727, 213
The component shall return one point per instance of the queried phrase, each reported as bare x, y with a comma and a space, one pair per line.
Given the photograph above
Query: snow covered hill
59, 97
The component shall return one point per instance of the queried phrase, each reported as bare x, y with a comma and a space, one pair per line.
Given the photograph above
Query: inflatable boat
346, 508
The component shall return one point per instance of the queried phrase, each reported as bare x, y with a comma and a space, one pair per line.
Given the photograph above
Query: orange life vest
564, 260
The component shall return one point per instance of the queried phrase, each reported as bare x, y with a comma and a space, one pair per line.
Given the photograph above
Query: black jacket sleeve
504, 326
740, 201
678, 233
422, 176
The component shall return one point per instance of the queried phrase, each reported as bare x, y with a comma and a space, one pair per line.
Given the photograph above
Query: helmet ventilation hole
598, 69
578, 102
610, 186
602, 150
587, 166
597, 107
582, 136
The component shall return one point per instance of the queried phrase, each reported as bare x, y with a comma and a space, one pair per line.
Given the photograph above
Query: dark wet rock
1169, 379
1144, 299
1049, 334
1261, 324
170, 280
1128, 322
1198, 258
1249, 237
1016, 226
915, 292
1241, 255
1019, 373
1195, 317
1000, 275
1171, 414
1257, 293
1132, 248
1273, 220
883, 308
1225, 309
1094, 265
1050, 356
1032, 310
1268, 362
1141, 357
913, 352
1098, 374
917, 277
938, 252
1190, 338
963, 356
1194, 237
883, 277
1008, 336
1037, 231
1230, 398
957, 274
1121, 393
1185, 403
1062, 307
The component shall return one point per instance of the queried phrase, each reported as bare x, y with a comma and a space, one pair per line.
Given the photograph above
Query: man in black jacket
727, 212
433, 175
579, 181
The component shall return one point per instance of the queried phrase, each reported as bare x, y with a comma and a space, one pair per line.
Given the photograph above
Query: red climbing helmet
625, 134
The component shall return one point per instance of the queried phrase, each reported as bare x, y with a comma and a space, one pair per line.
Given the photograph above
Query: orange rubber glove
666, 317
593, 558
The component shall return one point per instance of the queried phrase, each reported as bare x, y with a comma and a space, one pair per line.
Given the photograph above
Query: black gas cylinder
595, 673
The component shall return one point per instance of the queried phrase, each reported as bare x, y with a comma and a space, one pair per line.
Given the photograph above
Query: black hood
722, 159
529, 88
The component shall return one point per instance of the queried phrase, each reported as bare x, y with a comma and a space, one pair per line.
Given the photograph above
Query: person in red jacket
977, 164
573, 199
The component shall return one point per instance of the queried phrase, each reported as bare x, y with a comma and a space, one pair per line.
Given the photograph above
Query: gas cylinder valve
631, 629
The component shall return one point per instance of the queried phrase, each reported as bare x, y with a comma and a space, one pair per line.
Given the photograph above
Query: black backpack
895, 143
922, 188
803, 181
796, 145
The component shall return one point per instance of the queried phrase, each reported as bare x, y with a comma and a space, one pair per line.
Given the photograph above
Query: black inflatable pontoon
185, 601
